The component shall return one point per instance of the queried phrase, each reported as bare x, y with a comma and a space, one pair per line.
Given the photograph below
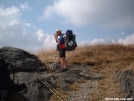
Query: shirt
61, 39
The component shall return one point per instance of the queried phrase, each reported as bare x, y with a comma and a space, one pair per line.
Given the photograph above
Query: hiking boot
66, 69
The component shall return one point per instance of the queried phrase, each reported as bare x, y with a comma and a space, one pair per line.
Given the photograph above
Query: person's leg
62, 58
62, 62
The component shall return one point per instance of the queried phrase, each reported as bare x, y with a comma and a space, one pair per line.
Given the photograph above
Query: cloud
92, 42
113, 41
9, 15
122, 33
29, 25
86, 42
97, 41
40, 34
12, 32
48, 40
13, 23
25, 6
107, 14
128, 40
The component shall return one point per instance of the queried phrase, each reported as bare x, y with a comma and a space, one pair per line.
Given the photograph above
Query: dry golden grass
104, 59
92, 54
45, 55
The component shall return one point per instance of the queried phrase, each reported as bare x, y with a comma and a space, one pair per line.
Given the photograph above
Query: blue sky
30, 24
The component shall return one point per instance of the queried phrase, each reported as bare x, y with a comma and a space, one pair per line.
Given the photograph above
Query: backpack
7, 85
71, 40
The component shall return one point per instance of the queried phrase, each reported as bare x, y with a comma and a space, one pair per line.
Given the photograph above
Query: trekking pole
54, 63
58, 95
56, 91
50, 89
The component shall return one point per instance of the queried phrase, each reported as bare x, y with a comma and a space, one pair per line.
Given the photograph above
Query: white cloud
25, 6
92, 42
113, 42
9, 15
13, 23
108, 14
40, 34
29, 25
97, 41
12, 33
86, 42
128, 40
47, 39
8, 11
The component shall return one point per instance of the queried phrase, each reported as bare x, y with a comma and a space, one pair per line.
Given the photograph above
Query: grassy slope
104, 59
92, 55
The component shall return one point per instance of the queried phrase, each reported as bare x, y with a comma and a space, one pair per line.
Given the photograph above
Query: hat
58, 30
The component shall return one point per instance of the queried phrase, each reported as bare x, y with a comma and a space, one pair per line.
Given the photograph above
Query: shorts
62, 53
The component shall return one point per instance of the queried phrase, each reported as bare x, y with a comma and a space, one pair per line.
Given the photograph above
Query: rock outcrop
22, 61
28, 67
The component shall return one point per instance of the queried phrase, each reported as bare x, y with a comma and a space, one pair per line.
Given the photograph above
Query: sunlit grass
91, 54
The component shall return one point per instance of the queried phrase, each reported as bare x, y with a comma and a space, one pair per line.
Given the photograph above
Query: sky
31, 24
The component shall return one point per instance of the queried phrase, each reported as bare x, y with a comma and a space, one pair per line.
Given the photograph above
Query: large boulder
21, 60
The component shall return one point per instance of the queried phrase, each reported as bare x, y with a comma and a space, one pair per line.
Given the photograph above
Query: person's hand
55, 35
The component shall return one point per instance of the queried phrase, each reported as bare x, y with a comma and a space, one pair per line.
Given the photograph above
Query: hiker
61, 48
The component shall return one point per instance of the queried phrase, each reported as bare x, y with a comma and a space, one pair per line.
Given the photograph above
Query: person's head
58, 32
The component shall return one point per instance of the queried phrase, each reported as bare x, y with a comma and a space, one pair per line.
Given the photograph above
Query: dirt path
76, 75
84, 91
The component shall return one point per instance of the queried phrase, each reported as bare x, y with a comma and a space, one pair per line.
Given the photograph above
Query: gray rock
39, 92
36, 90
127, 83
30, 80
21, 60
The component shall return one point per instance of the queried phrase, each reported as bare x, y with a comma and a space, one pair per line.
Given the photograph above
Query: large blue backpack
71, 45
